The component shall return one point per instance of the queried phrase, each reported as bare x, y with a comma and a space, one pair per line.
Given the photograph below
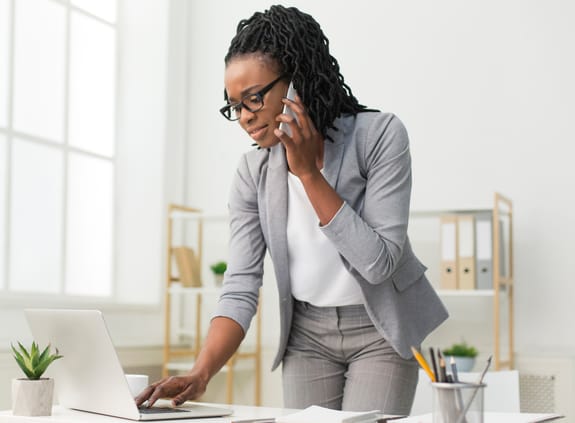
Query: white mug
137, 383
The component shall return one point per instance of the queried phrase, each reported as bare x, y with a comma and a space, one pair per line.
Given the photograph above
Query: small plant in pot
32, 396
219, 269
463, 354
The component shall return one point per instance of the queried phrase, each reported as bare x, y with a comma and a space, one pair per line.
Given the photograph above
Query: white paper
490, 417
317, 414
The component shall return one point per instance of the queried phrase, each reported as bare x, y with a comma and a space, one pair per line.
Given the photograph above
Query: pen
442, 370
456, 380
423, 363
454, 369
472, 397
433, 363
485, 370
263, 420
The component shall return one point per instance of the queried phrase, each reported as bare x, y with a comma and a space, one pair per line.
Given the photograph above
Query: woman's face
246, 75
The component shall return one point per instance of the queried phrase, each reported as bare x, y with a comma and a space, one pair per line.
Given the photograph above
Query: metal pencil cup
457, 402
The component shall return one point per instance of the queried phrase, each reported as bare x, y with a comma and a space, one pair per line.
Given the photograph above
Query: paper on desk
317, 414
490, 417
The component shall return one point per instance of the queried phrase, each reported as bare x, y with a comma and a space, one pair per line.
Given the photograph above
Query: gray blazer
369, 165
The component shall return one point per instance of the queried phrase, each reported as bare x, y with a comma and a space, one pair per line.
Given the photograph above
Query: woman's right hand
224, 337
178, 388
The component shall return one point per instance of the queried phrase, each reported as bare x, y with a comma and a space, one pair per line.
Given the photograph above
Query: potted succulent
219, 269
463, 354
32, 395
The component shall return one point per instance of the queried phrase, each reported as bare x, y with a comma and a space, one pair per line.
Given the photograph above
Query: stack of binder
466, 251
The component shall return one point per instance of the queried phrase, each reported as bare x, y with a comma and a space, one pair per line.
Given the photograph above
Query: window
4, 57
57, 146
3, 172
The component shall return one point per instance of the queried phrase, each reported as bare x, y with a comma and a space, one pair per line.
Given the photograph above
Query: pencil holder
457, 402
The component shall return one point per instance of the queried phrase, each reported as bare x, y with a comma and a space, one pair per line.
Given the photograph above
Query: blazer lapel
276, 211
333, 152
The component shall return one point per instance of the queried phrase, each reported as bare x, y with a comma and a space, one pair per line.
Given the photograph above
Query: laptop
89, 377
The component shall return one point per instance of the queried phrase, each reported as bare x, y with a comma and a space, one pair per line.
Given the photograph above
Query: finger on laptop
145, 394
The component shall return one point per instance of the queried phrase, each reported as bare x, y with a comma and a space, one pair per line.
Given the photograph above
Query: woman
331, 205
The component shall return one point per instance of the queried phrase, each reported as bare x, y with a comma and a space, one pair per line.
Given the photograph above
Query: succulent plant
32, 362
219, 268
461, 350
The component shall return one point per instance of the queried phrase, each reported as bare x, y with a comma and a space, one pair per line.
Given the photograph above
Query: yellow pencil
423, 363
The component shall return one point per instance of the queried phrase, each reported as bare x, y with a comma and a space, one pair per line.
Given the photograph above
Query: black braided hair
295, 41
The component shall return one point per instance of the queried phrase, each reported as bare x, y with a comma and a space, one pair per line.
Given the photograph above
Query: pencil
442, 370
433, 363
423, 363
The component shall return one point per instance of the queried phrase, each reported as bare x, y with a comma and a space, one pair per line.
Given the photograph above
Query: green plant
32, 362
219, 268
461, 350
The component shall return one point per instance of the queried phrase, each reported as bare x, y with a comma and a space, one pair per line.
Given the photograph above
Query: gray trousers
335, 358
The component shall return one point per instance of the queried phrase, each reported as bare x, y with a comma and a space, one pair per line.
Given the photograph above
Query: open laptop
89, 377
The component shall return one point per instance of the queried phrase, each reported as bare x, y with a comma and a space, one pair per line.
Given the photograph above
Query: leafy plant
461, 350
219, 268
32, 362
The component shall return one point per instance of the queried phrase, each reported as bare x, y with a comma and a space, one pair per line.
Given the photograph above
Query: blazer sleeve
371, 239
247, 248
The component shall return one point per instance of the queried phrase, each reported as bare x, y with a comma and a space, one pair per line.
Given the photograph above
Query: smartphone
291, 93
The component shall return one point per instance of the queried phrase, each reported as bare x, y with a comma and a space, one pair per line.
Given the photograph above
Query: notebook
89, 377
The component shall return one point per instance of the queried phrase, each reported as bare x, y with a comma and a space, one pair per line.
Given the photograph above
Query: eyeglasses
252, 102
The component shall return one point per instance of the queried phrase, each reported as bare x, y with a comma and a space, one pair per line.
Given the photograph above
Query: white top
317, 273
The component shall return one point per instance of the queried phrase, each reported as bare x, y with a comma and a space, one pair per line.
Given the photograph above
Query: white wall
486, 91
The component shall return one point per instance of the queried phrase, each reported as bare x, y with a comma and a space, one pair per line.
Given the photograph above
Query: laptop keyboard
160, 410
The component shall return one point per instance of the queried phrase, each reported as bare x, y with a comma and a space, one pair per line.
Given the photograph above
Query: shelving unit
182, 341
502, 280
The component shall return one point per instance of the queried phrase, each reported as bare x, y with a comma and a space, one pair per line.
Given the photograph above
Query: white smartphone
291, 93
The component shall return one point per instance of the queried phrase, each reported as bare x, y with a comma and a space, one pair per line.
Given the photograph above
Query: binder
448, 265
188, 266
484, 250
466, 251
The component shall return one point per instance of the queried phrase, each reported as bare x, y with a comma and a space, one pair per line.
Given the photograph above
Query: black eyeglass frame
226, 111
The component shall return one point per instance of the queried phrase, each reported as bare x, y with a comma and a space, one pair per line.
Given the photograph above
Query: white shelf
466, 292
185, 366
471, 292
438, 213
185, 290
186, 215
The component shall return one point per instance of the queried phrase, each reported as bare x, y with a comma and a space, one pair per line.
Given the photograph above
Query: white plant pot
218, 279
464, 364
32, 397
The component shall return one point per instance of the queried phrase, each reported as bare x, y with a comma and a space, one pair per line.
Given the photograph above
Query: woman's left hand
303, 148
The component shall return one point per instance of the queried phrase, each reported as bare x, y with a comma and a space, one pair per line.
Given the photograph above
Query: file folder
484, 250
466, 251
448, 265
188, 266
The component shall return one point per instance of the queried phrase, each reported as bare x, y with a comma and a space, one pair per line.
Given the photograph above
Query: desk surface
62, 415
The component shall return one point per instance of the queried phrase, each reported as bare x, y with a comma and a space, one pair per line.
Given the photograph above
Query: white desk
63, 415
491, 417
